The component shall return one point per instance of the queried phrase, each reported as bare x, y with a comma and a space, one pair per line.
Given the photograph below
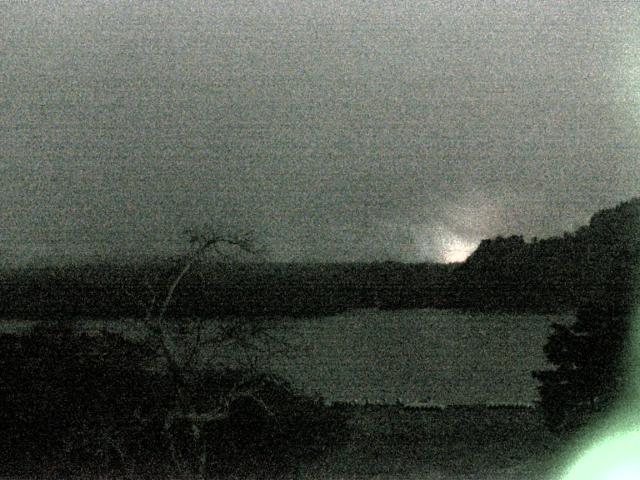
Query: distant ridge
597, 260
504, 273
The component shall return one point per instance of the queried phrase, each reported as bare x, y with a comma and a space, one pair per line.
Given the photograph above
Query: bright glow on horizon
441, 244
455, 249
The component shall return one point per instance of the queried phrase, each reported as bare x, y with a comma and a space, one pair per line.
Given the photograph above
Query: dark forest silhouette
558, 273
588, 377
553, 274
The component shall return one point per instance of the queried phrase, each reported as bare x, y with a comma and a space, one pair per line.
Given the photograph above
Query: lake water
443, 357
437, 356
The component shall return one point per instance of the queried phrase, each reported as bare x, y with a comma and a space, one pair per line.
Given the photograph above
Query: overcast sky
339, 130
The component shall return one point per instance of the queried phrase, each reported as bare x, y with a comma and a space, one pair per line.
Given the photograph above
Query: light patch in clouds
455, 249
440, 244
342, 130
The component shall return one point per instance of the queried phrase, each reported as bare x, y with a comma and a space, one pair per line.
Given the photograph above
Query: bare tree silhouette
185, 362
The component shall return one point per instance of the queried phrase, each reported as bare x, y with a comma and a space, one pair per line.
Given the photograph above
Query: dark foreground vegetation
168, 404
458, 442
553, 274
74, 404
594, 361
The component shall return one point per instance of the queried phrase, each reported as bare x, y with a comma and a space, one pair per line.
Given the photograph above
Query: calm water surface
444, 357
438, 356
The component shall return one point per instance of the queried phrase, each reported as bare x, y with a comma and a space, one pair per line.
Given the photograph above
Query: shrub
68, 397
266, 434
588, 356
86, 403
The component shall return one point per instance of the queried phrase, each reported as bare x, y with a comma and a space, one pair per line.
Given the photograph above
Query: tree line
557, 273
554, 274
215, 289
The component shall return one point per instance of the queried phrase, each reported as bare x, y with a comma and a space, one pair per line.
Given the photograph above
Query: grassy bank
453, 443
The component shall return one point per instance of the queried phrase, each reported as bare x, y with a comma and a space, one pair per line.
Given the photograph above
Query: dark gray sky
340, 130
